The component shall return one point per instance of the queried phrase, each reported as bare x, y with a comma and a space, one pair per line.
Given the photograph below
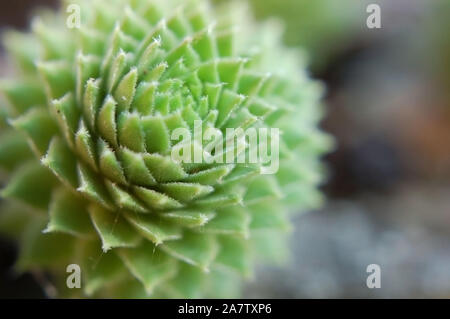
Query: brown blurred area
388, 106
16, 13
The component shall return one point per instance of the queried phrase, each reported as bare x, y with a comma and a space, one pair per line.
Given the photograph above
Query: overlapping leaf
98, 106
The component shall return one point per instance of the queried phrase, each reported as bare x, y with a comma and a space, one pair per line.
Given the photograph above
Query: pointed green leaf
163, 168
219, 200
113, 230
151, 55
149, 265
268, 215
185, 192
99, 269
196, 249
38, 127
234, 253
144, 98
157, 72
233, 220
54, 42
22, 48
68, 115
91, 41
23, 95
88, 67
106, 121
62, 162
188, 218
35, 193
263, 188
135, 168
211, 176
58, 77
91, 102
117, 70
155, 200
157, 138
229, 101
68, 215
123, 199
109, 165
130, 132
188, 283
250, 83
14, 219
134, 25
124, 93
213, 91
85, 146
44, 250
92, 186
153, 228
229, 71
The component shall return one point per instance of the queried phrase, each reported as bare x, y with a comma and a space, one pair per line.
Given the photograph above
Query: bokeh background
388, 101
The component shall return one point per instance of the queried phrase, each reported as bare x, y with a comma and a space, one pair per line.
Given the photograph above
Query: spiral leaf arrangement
91, 180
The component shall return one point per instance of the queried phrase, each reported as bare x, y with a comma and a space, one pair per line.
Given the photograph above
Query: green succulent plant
87, 150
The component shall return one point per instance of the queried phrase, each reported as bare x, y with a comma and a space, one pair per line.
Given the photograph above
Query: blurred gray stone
332, 248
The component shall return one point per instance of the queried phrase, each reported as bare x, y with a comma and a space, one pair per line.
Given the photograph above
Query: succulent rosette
87, 145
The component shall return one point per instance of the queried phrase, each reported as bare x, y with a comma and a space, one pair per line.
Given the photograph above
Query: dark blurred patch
11, 284
372, 163
371, 166
15, 13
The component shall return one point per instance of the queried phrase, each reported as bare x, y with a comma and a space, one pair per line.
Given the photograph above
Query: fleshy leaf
123, 199
163, 168
186, 191
231, 220
126, 89
34, 193
188, 218
234, 253
106, 121
85, 146
211, 176
38, 250
108, 163
156, 134
195, 249
99, 268
153, 228
23, 95
135, 168
92, 187
149, 265
13, 150
130, 132
113, 230
156, 200
68, 215
38, 127
58, 77
61, 161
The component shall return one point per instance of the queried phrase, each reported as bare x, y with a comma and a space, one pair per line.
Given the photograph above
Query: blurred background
388, 101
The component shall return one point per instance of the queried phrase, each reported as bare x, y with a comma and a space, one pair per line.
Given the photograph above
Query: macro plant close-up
215, 149
87, 146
